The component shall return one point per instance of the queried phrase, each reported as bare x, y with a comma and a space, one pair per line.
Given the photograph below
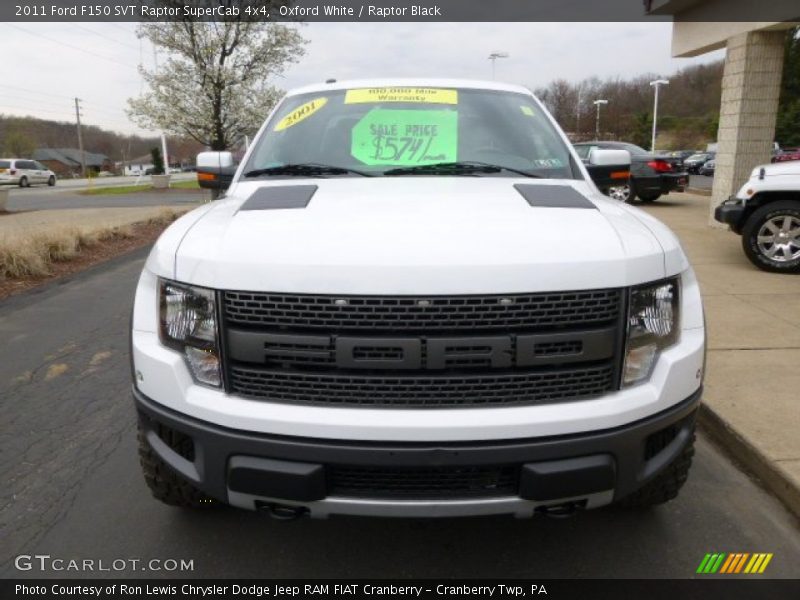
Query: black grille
443, 482
437, 391
421, 313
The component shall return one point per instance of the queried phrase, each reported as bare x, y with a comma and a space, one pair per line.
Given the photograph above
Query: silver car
24, 172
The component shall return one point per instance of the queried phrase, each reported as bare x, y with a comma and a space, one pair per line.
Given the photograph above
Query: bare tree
215, 84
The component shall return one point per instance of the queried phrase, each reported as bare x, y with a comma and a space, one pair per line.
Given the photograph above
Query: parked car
681, 155
693, 163
708, 168
766, 213
786, 155
652, 175
413, 302
25, 173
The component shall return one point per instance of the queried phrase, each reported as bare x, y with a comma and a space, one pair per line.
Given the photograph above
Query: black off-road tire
666, 485
754, 223
165, 484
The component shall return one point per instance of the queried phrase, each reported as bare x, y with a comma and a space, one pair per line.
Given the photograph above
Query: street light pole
598, 104
494, 56
655, 84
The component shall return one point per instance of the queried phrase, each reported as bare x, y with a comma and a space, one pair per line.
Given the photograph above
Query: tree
787, 127
18, 144
214, 86
642, 131
158, 161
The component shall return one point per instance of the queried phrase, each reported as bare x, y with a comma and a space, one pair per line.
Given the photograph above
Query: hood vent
276, 197
553, 196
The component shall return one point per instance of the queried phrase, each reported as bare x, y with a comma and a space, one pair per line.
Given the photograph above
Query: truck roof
409, 82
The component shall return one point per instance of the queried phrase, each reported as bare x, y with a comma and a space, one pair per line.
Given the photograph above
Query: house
139, 165
66, 162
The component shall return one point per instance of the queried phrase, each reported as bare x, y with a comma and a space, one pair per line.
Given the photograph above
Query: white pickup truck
412, 300
766, 213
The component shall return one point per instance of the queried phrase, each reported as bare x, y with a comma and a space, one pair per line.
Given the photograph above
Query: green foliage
642, 129
158, 161
787, 127
18, 145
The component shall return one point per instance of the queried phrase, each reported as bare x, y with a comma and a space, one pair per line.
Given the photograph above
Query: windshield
697, 157
400, 131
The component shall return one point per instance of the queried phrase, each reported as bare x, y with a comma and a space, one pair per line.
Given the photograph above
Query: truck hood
412, 235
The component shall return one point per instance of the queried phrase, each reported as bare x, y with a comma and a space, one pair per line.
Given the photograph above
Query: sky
98, 62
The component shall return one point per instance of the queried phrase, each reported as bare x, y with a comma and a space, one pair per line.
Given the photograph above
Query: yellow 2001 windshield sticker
526, 110
300, 113
401, 94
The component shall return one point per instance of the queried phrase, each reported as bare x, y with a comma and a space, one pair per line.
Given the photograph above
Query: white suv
413, 301
24, 172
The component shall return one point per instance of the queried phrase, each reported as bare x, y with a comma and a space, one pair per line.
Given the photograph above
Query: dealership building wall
751, 80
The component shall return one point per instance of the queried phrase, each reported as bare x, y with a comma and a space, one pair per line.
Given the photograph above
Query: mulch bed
144, 234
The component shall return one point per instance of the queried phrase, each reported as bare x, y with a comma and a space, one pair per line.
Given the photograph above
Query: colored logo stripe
734, 562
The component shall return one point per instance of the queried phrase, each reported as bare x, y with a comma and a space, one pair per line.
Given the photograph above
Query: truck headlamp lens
188, 324
653, 324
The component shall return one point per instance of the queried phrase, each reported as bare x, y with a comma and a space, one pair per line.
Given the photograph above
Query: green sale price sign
406, 137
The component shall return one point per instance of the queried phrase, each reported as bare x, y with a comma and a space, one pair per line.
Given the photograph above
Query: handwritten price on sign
406, 137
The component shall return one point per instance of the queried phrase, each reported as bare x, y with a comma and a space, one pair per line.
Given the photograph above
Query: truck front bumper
417, 479
730, 212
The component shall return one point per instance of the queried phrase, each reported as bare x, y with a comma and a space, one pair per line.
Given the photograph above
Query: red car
787, 154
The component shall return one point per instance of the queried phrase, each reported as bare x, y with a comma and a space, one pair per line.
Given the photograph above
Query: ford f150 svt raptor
413, 301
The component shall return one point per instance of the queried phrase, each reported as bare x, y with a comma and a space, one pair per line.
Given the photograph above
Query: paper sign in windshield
401, 94
406, 137
300, 113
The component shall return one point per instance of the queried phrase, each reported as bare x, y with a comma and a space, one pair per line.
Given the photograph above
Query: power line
79, 49
13, 87
102, 35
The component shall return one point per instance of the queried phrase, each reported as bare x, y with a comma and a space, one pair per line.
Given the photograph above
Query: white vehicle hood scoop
417, 235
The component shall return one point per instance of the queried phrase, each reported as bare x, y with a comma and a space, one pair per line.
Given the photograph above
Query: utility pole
578, 114
80, 137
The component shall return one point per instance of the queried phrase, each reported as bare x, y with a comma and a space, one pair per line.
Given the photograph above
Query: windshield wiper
305, 170
456, 168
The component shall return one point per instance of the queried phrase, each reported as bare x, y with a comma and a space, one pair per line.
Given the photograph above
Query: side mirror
215, 170
603, 158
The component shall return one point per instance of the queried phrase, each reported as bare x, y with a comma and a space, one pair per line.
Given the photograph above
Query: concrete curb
771, 476
698, 191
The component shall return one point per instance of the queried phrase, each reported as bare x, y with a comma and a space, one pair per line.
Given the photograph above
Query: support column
751, 85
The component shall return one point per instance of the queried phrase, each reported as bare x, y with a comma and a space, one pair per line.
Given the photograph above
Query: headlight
653, 324
188, 324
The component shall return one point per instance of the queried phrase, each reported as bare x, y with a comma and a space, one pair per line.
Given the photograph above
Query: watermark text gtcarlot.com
47, 563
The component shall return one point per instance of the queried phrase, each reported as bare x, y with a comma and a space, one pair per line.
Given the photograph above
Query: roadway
73, 488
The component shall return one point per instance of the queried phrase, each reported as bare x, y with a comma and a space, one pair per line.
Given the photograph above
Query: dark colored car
695, 161
652, 175
681, 155
708, 168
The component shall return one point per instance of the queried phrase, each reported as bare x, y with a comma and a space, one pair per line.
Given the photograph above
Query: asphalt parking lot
73, 487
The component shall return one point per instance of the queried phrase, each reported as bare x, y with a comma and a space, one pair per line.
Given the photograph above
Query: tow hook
560, 511
284, 512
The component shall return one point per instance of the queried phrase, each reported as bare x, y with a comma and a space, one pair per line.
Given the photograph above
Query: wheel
666, 485
23, 182
649, 197
165, 484
771, 237
623, 193
52, 181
